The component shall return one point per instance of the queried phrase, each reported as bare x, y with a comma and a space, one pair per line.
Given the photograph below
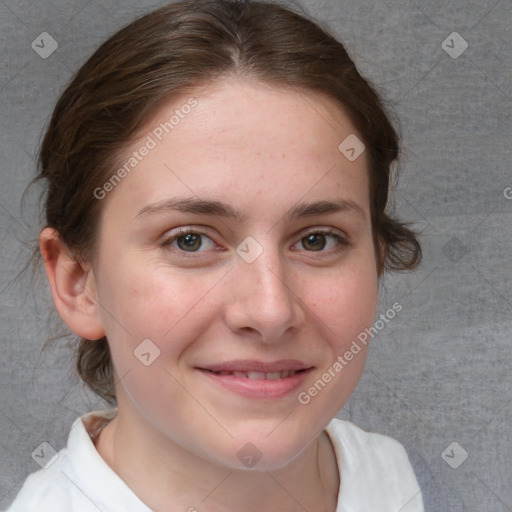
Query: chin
263, 452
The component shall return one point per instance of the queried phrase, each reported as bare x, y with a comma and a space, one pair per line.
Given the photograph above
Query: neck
161, 472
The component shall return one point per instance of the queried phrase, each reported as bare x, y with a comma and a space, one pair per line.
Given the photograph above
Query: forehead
235, 108
246, 138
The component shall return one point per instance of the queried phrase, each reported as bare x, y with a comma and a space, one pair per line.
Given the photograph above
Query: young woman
215, 232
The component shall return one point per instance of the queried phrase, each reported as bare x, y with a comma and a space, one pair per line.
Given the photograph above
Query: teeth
237, 374
260, 375
254, 375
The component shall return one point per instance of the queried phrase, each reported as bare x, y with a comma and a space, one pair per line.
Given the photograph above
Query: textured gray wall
440, 372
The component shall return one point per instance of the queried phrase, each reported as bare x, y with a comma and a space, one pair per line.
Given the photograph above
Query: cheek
156, 316
155, 304
344, 299
342, 309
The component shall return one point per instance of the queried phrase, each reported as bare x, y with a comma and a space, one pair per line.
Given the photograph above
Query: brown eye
323, 241
189, 242
314, 242
186, 240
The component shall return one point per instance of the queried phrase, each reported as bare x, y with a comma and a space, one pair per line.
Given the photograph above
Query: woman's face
279, 264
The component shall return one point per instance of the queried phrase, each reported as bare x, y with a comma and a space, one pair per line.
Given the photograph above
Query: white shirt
375, 474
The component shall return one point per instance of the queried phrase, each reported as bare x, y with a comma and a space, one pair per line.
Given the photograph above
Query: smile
258, 385
260, 375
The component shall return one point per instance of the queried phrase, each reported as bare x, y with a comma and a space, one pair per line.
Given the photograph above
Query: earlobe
72, 285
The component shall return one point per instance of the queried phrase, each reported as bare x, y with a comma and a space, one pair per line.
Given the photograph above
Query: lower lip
278, 388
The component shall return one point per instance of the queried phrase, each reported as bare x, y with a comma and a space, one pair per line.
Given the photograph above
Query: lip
246, 365
258, 389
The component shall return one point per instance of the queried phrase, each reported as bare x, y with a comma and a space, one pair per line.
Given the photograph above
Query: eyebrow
219, 209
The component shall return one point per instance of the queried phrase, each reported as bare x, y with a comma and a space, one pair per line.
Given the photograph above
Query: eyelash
342, 242
166, 243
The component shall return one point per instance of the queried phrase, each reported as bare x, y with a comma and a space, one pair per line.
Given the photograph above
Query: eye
317, 241
187, 240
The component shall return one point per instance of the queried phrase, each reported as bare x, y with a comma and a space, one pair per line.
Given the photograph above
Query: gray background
440, 372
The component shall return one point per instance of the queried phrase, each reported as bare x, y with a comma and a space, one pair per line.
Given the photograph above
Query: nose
264, 300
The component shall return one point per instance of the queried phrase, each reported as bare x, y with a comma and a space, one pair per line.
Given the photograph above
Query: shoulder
356, 441
369, 460
48, 489
60, 485
78, 479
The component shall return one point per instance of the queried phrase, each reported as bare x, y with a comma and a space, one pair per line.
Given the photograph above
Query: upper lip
245, 365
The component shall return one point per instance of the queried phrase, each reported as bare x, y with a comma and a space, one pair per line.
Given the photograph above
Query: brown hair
172, 51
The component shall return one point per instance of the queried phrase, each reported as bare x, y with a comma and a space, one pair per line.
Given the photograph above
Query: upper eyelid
185, 231
323, 230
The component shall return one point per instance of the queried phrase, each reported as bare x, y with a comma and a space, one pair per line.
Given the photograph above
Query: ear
73, 287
